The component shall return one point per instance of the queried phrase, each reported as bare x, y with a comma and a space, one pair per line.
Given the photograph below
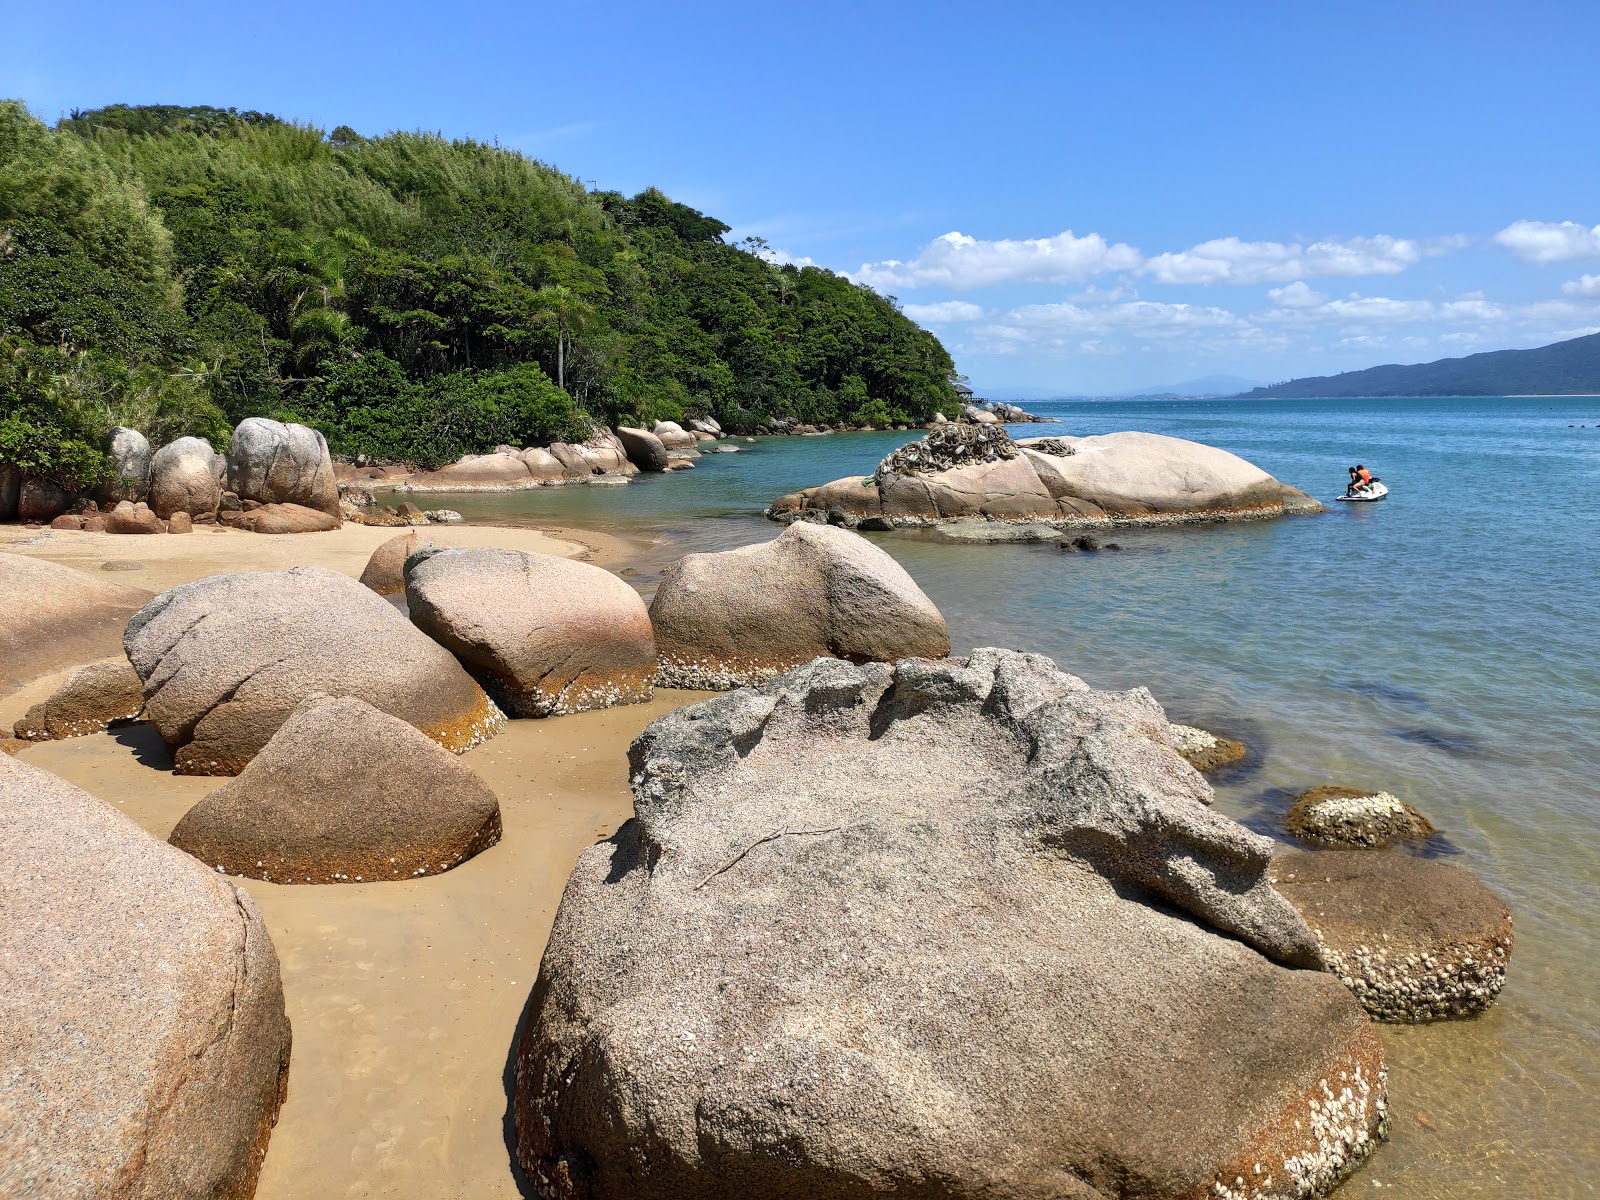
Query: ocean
1443, 645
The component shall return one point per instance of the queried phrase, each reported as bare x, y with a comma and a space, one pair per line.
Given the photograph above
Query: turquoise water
1443, 645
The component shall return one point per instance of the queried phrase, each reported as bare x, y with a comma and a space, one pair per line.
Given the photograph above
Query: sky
1077, 198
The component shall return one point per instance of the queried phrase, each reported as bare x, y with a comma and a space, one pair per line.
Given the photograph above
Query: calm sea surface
1443, 645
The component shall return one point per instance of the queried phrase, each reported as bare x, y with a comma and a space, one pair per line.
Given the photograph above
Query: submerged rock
1204, 750
1415, 939
1343, 816
91, 699
226, 659
742, 616
141, 1010
941, 929
546, 636
343, 793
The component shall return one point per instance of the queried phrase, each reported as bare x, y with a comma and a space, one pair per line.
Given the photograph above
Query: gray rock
185, 477
546, 636
643, 448
226, 659
443, 516
141, 1010
343, 793
939, 930
742, 616
276, 463
130, 456
674, 436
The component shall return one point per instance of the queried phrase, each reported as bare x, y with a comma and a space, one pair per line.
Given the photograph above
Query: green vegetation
1570, 368
180, 269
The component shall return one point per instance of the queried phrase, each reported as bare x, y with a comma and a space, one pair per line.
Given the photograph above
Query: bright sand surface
405, 997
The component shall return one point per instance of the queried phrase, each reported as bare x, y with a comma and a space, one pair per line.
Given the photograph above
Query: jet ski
1373, 491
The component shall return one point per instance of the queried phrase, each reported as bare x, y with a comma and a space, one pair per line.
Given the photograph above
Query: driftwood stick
764, 838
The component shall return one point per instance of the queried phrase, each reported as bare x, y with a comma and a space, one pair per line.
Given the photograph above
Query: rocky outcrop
343, 793
938, 929
482, 472
186, 476
141, 1011
226, 659
271, 462
91, 699
743, 616
545, 636
128, 517
1415, 939
130, 463
41, 499
962, 472
707, 425
674, 436
643, 448
53, 616
1204, 750
385, 572
1344, 816
282, 518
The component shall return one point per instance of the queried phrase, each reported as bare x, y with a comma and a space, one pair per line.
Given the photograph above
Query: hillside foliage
179, 269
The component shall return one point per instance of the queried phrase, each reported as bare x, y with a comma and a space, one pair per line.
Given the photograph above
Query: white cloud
960, 262
946, 312
1231, 260
782, 258
1589, 285
1546, 242
1296, 295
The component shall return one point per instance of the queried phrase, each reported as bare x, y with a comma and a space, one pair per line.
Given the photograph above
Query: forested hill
1564, 369
179, 269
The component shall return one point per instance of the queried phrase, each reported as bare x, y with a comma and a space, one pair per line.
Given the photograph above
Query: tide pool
1443, 645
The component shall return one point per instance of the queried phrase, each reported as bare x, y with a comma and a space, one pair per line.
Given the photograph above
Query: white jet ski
1373, 491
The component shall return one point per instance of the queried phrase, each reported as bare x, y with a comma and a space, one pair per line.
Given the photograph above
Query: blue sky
1078, 198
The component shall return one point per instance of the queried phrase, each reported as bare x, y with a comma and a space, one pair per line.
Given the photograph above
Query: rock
385, 570
130, 458
742, 616
643, 448
1205, 750
285, 518
679, 464
53, 616
91, 699
443, 516
544, 465
227, 658
123, 564
979, 416
960, 472
230, 502
180, 522
184, 477
128, 517
96, 523
1343, 816
141, 1009
277, 463
67, 522
1413, 938
605, 453
11, 745
708, 425
10, 488
42, 500
383, 518
412, 514
483, 472
343, 793
545, 636
941, 929
674, 436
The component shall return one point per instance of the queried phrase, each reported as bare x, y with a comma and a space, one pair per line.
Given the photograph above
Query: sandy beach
405, 997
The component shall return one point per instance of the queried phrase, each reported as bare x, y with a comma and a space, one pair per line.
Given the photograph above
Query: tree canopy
181, 268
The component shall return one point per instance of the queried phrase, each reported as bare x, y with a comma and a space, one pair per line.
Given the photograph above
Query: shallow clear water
1443, 645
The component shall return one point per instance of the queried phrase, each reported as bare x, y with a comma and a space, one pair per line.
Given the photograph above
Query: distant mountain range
1207, 385
1569, 368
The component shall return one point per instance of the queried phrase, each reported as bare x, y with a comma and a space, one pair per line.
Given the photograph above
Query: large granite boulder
140, 518
545, 466
643, 448
42, 499
962, 472
1415, 939
272, 462
606, 455
282, 518
940, 929
343, 793
385, 572
130, 459
53, 616
141, 1011
186, 476
742, 616
674, 436
477, 472
545, 636
91, 699
226, 659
